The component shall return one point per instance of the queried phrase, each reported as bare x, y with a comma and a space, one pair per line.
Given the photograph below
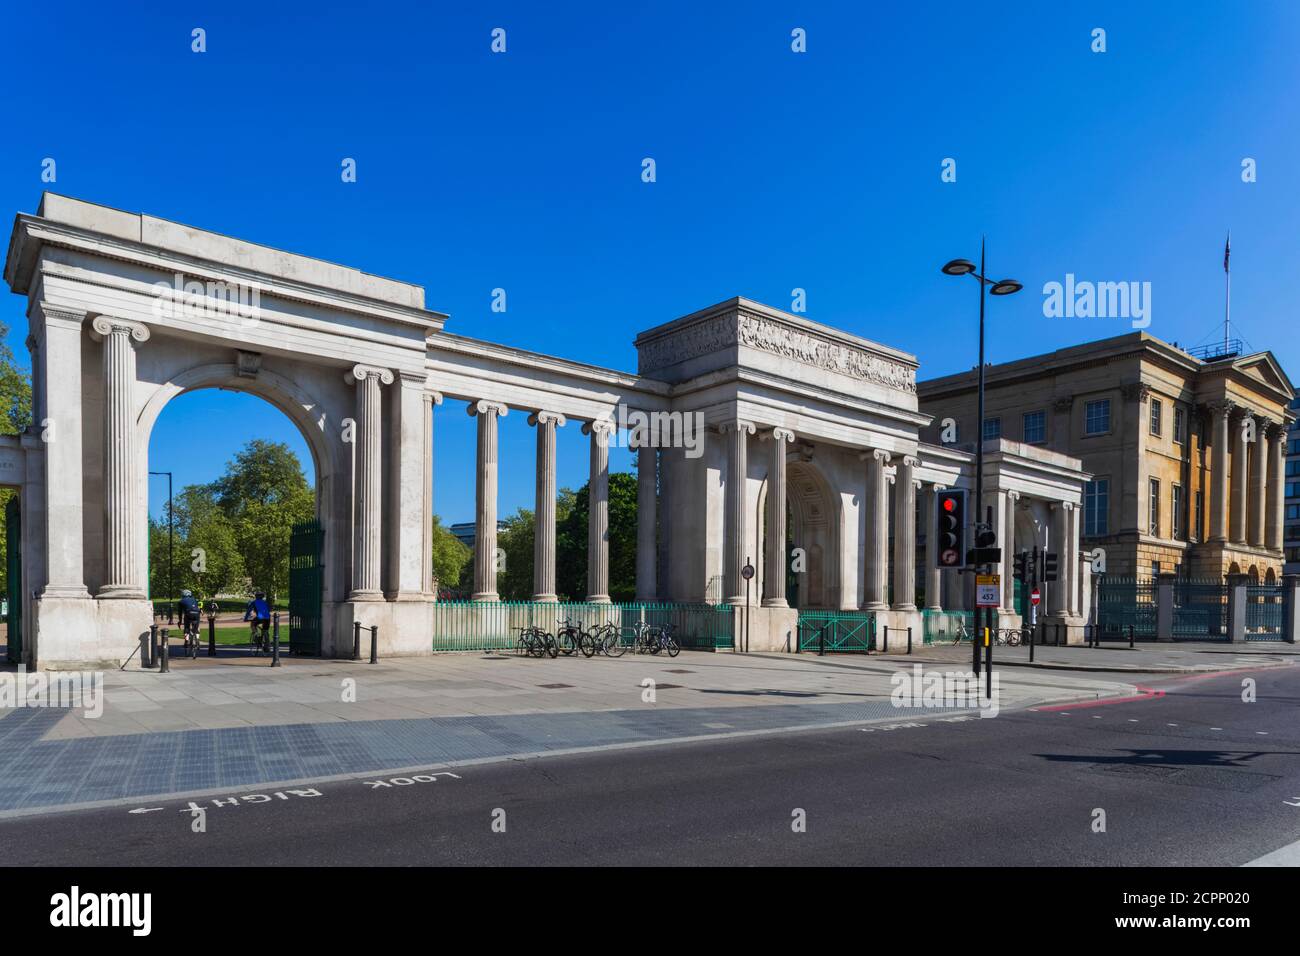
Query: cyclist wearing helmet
187, 608
259, 613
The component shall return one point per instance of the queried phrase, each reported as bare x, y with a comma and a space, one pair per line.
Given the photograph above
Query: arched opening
813, 571
251, 475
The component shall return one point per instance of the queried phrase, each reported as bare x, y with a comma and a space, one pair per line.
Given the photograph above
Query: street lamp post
964, 267
171, 536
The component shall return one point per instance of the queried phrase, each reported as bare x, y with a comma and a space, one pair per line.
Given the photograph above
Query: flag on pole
1227, 251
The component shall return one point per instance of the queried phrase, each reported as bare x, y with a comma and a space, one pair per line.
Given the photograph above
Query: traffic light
1049, 566
951, 522
1021, 572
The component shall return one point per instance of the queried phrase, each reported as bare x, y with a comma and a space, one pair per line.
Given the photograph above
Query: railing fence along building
1193, 609
494, 625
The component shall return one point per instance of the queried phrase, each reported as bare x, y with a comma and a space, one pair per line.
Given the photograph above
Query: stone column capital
909, 461
875, 454
547, 418
777, 434
484, 407
739, 425
1136, 391
432, 396
599, 428
361, 373
1013, 495
935, 487
102, 326
1222, 406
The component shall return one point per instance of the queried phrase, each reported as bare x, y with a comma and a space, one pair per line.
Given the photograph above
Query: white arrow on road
144, 809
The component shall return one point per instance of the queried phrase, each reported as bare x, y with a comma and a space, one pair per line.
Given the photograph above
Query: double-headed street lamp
964, 267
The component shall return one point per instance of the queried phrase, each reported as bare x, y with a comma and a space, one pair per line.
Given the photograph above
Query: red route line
1149, 693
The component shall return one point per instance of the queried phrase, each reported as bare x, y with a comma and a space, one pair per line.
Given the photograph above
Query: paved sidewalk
210, 725
1146, 657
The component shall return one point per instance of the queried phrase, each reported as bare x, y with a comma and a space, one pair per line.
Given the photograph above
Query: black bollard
275, 639
885, 647
1130, 637
153, 646
374, 644
909, 640
356, 640
212, 635
162, 654
144, 650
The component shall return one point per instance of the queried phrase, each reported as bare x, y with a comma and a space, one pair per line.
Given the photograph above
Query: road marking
1287, 856
1262, 733
144, 809
1132, 720
1216, 728
1171, 725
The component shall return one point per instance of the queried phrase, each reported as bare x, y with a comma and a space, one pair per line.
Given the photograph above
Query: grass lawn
228, 635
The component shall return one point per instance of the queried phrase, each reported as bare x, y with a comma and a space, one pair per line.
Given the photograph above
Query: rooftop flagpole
1227, 279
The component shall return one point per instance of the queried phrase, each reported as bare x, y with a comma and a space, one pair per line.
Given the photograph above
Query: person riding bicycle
259, 612
188, 609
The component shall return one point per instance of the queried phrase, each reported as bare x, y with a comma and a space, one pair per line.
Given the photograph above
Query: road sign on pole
1035, 597
988, 590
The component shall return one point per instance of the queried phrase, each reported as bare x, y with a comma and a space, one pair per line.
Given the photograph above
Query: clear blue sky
775, 170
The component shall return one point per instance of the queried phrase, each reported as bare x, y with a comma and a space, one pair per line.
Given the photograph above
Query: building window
1180, 426
1157, 410
1153, 508
1096, 506
1293, 468
1035, 427
1176, 515
992, 429
1293, 511
1155, 569
1293, 489
1199, 526
1097, 417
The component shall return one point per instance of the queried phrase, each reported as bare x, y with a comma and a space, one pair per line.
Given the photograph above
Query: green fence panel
836, 631
1264, 612
495, 625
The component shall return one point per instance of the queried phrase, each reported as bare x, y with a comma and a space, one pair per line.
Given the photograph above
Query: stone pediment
751, 335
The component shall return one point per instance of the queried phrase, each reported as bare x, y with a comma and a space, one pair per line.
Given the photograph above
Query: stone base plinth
85, 633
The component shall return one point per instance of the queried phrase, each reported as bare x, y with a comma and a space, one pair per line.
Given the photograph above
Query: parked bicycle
607, 638
535, 642
661, 639
571, 637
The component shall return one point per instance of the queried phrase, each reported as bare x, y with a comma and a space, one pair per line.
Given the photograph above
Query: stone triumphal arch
762, 426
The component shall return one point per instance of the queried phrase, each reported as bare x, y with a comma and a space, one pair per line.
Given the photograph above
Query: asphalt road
1194, 777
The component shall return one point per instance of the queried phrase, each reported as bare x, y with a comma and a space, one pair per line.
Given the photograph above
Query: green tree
15, 415
515, 583
450, 556
264, 494
571, 542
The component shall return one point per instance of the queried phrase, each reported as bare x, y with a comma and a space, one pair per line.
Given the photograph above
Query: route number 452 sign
988, 590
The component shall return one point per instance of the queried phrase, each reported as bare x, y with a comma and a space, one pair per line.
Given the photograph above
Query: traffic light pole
979, 478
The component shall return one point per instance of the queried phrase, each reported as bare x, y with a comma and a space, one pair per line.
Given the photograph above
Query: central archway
814, 536
308, 415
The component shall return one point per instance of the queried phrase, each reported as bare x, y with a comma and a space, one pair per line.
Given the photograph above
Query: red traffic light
949, 504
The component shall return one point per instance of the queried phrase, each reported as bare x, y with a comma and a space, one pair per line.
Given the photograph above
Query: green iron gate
839, 631
306, 587
1124, 602
14, 579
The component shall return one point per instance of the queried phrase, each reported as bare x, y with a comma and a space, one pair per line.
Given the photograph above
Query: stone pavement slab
208, 727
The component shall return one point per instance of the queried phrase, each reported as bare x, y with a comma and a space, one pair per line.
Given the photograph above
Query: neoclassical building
747, 418
1185, 452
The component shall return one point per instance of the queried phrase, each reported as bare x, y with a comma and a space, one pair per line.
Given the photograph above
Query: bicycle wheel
551, 645
586, 644
613, 643
673, 647
1013, 638
568, 644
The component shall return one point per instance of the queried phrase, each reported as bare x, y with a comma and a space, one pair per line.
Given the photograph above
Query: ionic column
905, 534
367, 494
933, 576
428, 400
544, 531
774, 558
647, 501
121, 569
1075, 562
57, 411
1273, 508
485, 500
598, 512
737, 510
1221, 413
1008, 542
1258, 505
1237, 531
877, 549
1060, 543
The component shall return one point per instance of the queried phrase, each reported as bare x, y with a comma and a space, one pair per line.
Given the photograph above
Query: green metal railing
836, 631
494, 625
1264, 612
1124, 602
949, 627
1201, 610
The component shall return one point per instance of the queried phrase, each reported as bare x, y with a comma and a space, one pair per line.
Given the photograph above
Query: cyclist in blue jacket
259, 613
